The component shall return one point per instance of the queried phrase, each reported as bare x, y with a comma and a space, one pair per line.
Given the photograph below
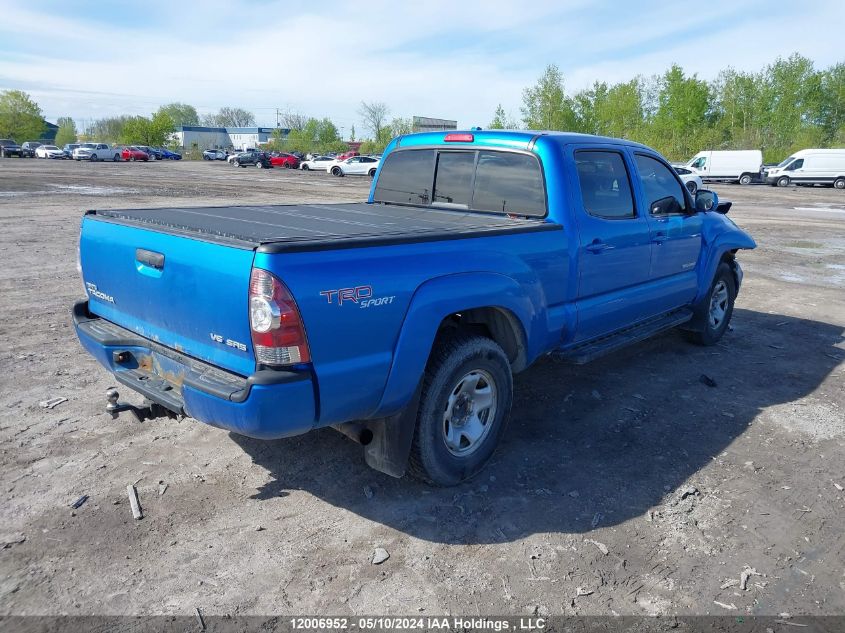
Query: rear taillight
278, 335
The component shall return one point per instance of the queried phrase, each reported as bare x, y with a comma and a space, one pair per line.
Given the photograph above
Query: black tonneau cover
276, 228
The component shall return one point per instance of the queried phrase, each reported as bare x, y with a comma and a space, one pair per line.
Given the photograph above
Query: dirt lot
628, 480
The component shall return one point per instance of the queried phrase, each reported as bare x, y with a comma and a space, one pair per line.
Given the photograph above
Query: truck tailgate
186, 294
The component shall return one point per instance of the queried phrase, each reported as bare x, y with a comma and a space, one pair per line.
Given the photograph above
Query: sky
448, 59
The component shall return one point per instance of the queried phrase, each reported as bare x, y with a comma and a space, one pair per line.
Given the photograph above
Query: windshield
88, 146
50, 147
786, 161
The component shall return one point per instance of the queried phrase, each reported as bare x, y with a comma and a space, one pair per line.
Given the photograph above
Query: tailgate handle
149, 258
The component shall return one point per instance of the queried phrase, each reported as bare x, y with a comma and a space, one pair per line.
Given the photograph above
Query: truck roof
518, 139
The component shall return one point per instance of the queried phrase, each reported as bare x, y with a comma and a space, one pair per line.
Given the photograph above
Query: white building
239, 138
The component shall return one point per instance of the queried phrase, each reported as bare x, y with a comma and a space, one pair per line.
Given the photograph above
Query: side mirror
706, 200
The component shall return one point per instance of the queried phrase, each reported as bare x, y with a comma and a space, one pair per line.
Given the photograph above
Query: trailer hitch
148, 411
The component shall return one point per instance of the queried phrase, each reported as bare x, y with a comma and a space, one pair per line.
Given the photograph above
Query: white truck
95, 152
810, 167
742, 166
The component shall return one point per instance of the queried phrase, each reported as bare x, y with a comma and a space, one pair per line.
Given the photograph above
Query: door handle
149, 258
598, 247
659, 238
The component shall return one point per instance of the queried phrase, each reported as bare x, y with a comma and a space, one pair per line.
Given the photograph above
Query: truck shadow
587, 446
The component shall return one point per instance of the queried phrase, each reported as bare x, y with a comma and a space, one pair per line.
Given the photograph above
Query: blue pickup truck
401, 321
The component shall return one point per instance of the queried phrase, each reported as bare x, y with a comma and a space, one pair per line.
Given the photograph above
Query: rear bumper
269, 404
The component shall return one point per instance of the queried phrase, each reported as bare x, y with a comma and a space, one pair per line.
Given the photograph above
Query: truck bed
302, 227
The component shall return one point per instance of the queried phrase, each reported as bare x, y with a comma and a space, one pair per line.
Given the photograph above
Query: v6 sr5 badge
362, 296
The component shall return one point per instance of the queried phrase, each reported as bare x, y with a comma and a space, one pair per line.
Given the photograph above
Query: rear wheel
372, 173
337, 171
259, 165
839, 183
464, 407
692, 187
116, 157
305, 168
783, 181
93, 158
714, 313
236, 163
745, 179
131, 158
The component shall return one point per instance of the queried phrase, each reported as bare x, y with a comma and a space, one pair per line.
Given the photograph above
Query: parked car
259, 159
810, 167
95, 152
133, 153
346, 155
48, 151
317, 163
28, 149
9, 148
742, 166
288, 161
360, 165
214, 154
67, 150
231, 158
401, 321
167, 154
691, 181
151, 152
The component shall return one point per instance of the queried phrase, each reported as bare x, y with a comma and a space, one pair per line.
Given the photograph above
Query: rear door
614, 252
186, 294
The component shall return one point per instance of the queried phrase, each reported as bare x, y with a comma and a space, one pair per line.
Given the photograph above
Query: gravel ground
628, 486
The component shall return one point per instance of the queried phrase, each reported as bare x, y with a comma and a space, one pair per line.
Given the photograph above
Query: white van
742, 166
810, 167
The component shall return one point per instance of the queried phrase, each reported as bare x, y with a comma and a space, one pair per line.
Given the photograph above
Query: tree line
786, 106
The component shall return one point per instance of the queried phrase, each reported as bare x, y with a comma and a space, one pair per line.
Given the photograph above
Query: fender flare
435, 300
721, 244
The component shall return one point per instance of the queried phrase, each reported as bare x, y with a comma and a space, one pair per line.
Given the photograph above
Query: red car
288, 161
348, 155
133, 153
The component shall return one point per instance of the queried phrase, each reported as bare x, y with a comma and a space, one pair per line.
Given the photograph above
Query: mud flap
392, 436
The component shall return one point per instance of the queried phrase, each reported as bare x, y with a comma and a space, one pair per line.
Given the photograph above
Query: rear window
478, 180
406, 178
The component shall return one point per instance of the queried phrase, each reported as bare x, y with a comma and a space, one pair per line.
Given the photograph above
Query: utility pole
277, 118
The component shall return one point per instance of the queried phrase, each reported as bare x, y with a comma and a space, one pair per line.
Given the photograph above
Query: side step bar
590, 350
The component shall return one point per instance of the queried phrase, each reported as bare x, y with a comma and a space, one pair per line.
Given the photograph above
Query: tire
286, 165
236, 163
783, 181
94, 158
462, 368
692, 187
259, 165
337, 171
116, 158
716, 310
372, 173
204, 157
131, 158
745, 179
839, 183
305, 168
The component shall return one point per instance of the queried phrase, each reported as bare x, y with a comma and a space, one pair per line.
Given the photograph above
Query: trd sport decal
362, 296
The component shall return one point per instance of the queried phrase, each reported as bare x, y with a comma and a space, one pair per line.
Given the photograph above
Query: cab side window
663, 192
605, 185
796, 164
700, 163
